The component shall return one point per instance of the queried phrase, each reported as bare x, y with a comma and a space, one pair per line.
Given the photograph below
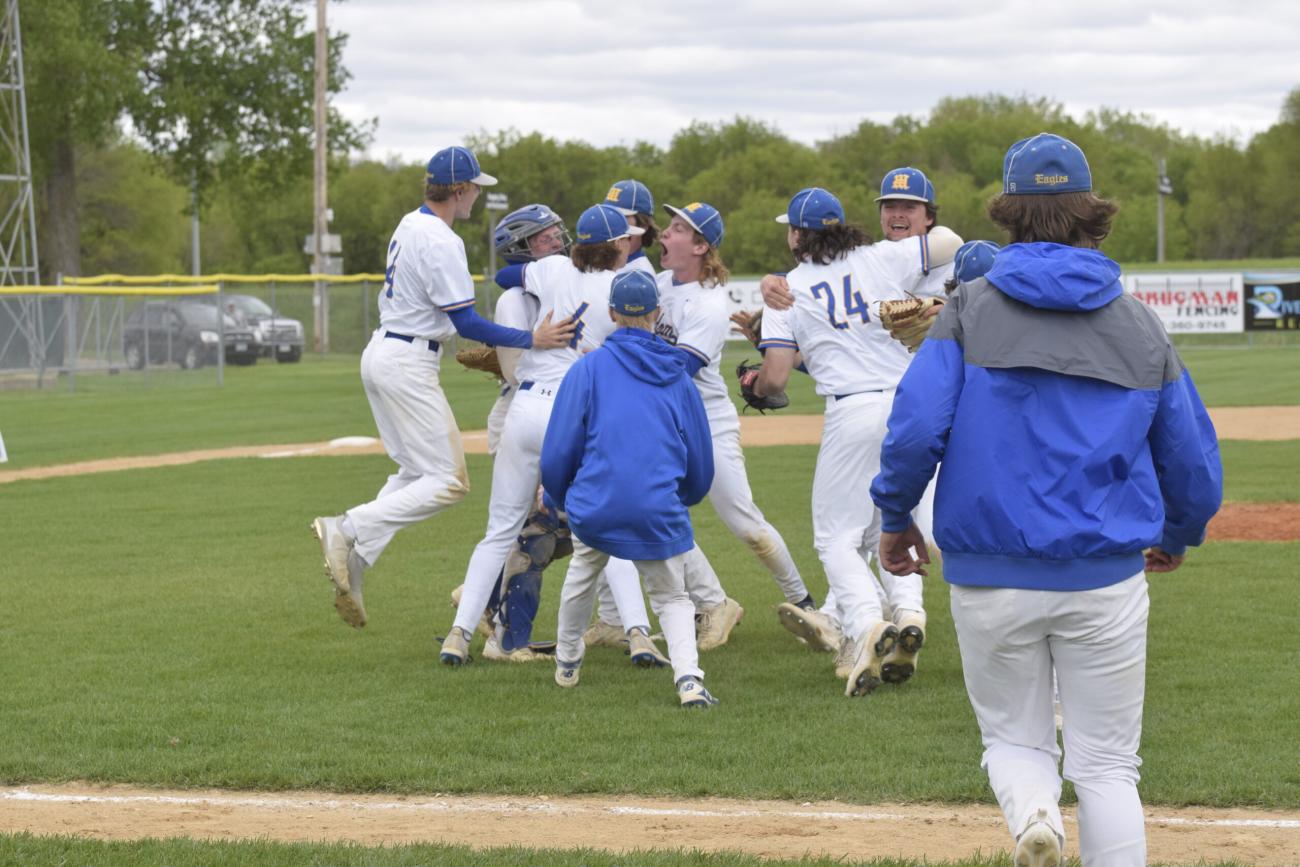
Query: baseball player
626, 455
427, 296
576, 287
855, 363
1076, 457
633, 200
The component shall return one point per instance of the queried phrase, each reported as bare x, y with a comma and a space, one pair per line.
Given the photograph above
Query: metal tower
19, 265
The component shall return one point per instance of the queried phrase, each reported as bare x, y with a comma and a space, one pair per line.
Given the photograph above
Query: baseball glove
482, 358
750, 324
746, 375
908, 321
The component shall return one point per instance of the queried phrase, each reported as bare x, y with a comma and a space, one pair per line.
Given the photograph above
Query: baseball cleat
484, 627
900, 664
845, 657
691, 693
643, 651
492, 649
810, 626
602, 634
1038, 846
874, 646
348, 602
713, 625
334, 545
566, 673
455, 647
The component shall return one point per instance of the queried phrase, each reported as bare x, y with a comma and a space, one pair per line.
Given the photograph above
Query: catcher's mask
514, 230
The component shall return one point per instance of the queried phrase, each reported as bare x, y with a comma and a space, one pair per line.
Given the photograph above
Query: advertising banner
1272, 302
1191, 303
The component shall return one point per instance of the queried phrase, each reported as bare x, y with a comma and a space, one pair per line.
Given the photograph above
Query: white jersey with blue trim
426, 278
638, 263
835, 320
695, 319
564, 291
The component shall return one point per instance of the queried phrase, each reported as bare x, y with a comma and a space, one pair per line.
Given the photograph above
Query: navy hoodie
628, 448
1071, 435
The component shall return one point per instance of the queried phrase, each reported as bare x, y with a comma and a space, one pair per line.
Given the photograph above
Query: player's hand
741, 319
776, 292
1159, 560
553, 335
896, 554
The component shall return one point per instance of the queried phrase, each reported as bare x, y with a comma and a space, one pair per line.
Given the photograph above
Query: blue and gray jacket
1071, 436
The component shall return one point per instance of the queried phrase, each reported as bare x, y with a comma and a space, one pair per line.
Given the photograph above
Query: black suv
184, 332
279, 335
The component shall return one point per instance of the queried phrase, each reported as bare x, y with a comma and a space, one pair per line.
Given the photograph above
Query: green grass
1263, 472
171, 627
321, 398
29, 849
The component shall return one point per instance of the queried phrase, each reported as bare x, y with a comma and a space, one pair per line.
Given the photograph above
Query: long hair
712, 270
646, 222
1074, 219
594, 257
823, 246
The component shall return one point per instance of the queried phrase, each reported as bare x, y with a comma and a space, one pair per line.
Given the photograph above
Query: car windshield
202, 316
250, 306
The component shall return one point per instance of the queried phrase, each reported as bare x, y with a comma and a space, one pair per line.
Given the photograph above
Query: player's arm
547, 335
511, 276
566, 433
1185, 451
778, 361
776, 292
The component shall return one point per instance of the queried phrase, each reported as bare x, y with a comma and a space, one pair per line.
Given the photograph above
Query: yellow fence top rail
104, 289
183, 279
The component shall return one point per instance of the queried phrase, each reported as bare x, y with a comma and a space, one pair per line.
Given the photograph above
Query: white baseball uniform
515, 309
563, 290
856, 366
638, 263
427, 275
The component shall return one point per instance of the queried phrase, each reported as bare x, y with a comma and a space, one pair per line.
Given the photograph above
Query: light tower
19, 263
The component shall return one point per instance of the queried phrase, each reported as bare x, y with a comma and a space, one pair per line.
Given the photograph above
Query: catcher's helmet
514, 230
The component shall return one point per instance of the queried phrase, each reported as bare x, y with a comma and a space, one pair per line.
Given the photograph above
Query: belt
851, 393
406, 338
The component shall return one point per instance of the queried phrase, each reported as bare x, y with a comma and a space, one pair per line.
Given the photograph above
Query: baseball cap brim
627, 212
784, 218
903, 196
678, 212
484, 180
632, 231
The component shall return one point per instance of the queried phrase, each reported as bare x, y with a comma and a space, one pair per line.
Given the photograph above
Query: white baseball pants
1096, 639
419, 433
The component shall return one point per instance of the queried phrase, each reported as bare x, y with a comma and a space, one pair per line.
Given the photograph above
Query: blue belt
433, 344
526, 385
851, 393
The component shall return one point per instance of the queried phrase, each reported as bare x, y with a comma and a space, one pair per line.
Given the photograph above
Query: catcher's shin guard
521, 584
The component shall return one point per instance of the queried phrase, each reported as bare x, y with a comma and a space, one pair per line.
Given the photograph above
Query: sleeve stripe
459, 305
693, 351
777, 343
925, 255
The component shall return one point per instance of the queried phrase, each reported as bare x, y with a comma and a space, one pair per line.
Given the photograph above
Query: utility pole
1163, 188
195, 268
320, 296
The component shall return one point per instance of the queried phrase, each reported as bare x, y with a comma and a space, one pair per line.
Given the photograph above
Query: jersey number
853, 303
578, 325
393, 252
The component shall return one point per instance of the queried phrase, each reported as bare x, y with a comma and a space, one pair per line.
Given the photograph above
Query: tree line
218, 108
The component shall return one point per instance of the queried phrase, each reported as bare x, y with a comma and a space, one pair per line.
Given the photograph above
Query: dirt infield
765, 828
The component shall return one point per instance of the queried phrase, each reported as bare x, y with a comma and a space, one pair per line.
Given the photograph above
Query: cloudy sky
432, 71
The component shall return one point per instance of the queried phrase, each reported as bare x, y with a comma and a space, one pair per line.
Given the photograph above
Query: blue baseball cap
813, 208
456, 165
601, 223
973, 260
1045, 163
703, 218
633, 293
906, 183
631, 197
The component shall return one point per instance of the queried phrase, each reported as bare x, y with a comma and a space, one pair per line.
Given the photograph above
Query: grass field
170, 627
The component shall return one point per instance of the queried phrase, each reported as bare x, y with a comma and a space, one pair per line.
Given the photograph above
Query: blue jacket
628, 448
1071, 436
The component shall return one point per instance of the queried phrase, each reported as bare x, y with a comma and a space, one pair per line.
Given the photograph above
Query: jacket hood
1056, 277
645, 356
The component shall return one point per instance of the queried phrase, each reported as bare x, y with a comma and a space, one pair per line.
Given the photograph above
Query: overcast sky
432, 71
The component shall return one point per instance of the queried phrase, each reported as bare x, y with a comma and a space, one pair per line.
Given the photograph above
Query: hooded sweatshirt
1070, 434
628, 449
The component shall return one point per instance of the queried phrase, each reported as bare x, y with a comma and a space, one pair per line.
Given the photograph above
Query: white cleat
484, 627
455, 648
492, 650
602, 634
874, 646
1038, 846
334, 545
810, 626
348, 602
900, 664
566, 673
713, 625
691, 693
643, 651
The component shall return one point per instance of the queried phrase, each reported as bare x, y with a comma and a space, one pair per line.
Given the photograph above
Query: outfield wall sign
1272, 302
1191, 303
